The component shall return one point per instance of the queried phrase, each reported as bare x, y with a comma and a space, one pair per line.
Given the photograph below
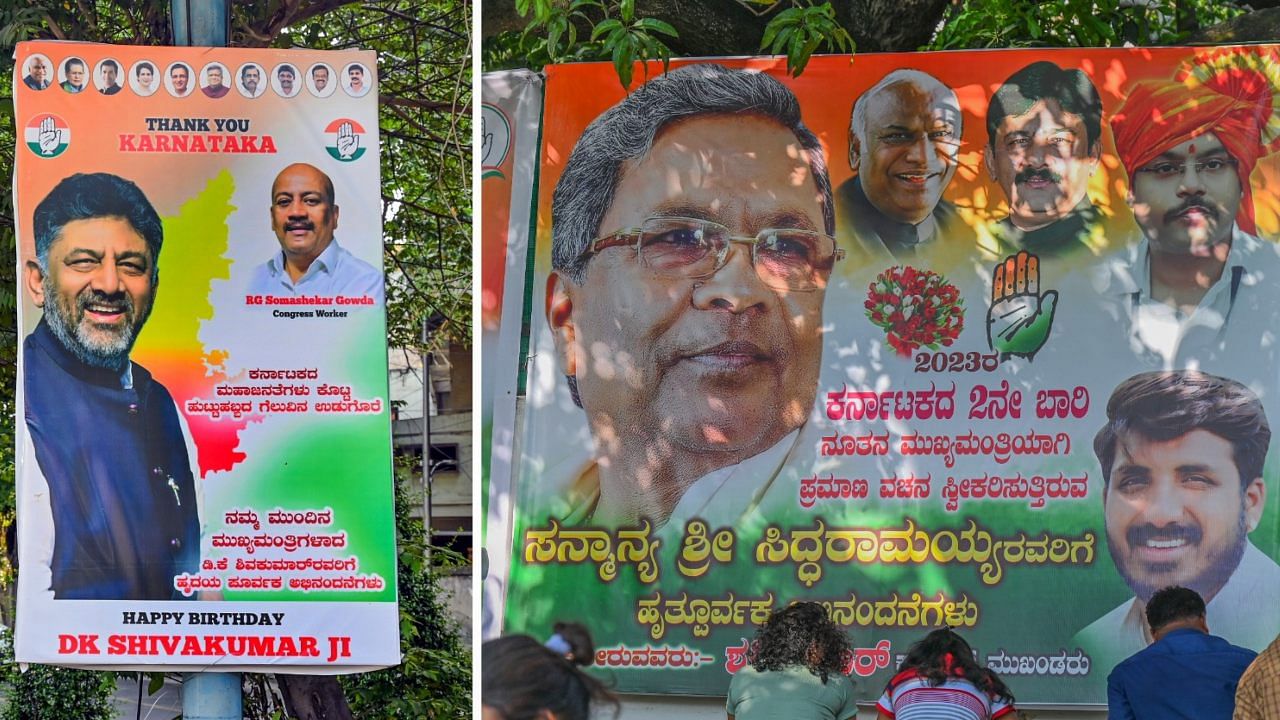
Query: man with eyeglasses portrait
692, 245
1196, 288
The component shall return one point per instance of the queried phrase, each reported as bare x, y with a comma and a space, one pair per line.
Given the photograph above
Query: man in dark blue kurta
107, 438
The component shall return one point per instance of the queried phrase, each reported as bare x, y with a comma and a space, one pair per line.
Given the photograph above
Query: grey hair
627, 131
858, 120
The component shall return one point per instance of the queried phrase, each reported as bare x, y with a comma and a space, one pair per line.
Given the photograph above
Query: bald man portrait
904, 136
304, 216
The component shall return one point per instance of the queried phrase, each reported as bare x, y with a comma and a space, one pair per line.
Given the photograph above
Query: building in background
448, 502
450, 467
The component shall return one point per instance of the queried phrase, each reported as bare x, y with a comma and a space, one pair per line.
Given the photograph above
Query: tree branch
452, 107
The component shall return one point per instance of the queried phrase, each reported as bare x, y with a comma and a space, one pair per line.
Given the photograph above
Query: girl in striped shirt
940, 679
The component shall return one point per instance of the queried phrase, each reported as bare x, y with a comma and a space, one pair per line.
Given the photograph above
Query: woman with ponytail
941, 678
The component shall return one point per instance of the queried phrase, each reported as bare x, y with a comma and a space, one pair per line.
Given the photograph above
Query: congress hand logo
348, 141
1020, 317
496, 143
342, 140
47, 135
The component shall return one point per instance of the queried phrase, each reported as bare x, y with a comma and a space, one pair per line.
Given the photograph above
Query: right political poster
979, 339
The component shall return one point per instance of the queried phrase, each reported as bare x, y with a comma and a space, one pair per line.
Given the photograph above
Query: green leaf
811, 46
541, 10
657, 26
793, 57
622, 55
1100, 29
770, 30
794, 46
607, 26
805, 53
788, 16
843, 41
627, 9
553, 38
780, 42
649, 45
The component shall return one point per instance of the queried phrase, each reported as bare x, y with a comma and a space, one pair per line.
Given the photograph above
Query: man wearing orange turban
1197, 284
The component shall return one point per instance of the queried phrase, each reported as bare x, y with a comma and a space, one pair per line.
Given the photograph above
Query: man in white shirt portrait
1181, 456
1196, 290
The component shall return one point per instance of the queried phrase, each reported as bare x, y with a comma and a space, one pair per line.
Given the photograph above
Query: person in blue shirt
304, 216
1185, 673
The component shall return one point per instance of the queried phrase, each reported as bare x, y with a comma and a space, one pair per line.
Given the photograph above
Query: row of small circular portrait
214, 80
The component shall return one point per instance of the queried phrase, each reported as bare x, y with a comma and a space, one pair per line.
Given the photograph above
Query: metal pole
427, 396
204, 23
206, 695
212, 696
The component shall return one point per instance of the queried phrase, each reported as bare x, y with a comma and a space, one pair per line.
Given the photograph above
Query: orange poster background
831, 84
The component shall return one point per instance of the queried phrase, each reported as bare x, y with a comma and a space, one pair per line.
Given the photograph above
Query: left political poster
203, 437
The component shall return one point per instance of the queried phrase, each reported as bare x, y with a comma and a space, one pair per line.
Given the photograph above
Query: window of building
444, 457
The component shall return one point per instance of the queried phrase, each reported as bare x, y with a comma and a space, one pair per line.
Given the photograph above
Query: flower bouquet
915, 308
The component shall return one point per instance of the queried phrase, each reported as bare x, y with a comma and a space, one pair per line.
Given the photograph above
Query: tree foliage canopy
532, 33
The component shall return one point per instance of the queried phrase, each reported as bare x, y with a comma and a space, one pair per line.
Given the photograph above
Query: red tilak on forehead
1193, 148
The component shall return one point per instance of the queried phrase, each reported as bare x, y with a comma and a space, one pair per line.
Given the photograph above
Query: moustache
1139, 535
1030, 174
1189, 204
300, 226
120, 302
